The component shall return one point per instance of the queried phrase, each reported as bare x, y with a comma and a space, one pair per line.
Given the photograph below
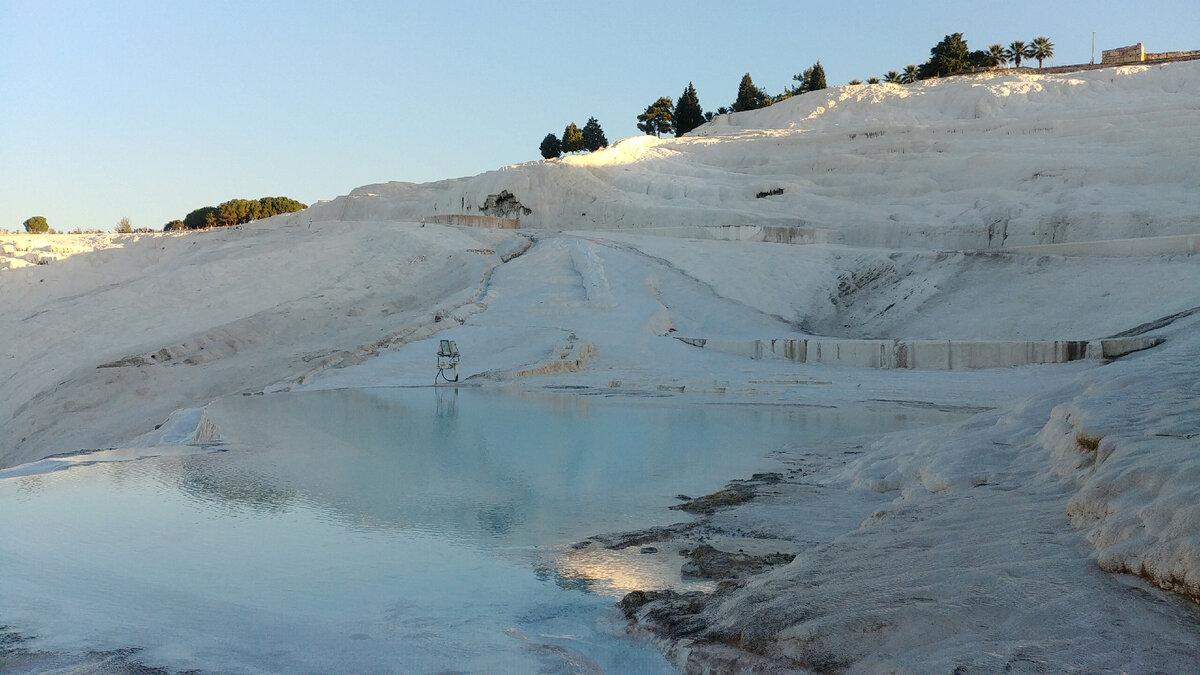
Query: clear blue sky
149, 109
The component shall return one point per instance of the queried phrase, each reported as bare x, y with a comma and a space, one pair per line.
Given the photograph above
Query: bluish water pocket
370, 530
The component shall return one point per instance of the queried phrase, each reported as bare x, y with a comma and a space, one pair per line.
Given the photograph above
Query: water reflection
498, 519
487, 467
376, 530
213, 483
447, 403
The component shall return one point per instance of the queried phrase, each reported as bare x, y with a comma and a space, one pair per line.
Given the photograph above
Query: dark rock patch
504, 205
669, 614
736, 492
706, 562
624, 540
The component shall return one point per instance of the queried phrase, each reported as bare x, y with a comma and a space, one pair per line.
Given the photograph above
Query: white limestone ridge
983, 161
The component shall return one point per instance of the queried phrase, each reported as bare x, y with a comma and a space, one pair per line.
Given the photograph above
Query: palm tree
909, 75
872, 80
997, 56
1042, 48
1016, 51
891, 76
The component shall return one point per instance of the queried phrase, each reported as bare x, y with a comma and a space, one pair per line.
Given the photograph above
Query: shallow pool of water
384, 530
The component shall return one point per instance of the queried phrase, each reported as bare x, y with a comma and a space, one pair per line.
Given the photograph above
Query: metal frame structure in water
447, 360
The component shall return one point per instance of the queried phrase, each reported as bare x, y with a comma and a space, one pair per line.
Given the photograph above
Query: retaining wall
1175, 243
1137, 54
474, 221
927, 354
1172, 56
776, 234
1131, 54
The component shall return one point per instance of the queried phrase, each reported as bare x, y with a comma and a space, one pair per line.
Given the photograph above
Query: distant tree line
948, 57
665, 116
235, 212
591, 138
39, 225
232, 212
951, 56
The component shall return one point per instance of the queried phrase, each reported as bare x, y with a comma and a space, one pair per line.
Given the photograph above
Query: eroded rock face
684, 627
504, 205
670, 613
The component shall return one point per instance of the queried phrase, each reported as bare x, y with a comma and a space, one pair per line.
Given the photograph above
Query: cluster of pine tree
948, 57
235, 212
591, 138
665, 116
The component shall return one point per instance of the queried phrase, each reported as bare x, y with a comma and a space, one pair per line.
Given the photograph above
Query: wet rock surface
686, 624
672, 614
15, 658
707, 562
623, 540
736, 492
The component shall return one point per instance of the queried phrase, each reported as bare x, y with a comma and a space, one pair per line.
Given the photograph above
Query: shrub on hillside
37, 225
237, 212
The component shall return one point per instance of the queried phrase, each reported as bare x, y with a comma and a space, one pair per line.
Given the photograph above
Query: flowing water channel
373, 530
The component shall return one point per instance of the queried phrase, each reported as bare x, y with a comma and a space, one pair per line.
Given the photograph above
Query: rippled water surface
387, 530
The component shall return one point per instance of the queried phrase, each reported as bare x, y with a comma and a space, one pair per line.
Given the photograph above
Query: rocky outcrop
504, 205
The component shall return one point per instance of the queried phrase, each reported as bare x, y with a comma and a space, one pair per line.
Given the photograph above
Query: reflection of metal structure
447, 360
447, 407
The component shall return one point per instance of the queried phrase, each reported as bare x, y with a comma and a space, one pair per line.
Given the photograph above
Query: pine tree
801, 80
572, 139
749, 96
688, 114
205, 216
947, 57
659, 117
816, 80
37, 225
551, 147
593, 135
